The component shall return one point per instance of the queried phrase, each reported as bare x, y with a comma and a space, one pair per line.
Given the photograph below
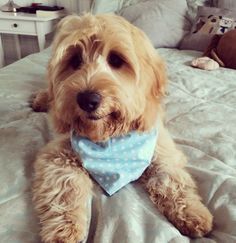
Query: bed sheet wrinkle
223, 153
185, 92
225, 96
218, 236
186, 143
6, 200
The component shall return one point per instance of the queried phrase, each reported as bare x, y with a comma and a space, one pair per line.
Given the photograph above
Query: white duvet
201, 116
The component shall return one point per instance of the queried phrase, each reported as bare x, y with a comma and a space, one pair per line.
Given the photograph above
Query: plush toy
209, 25
205, 63
222, 50
225, 25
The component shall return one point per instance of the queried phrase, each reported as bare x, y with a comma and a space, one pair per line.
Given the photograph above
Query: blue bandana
118, 161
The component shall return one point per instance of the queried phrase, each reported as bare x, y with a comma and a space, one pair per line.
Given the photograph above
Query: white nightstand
25, 24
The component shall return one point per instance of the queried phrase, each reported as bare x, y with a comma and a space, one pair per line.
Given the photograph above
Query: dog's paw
194, 221
39, 101
65, 233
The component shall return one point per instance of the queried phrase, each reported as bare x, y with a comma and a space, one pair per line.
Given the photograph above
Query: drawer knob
15, 25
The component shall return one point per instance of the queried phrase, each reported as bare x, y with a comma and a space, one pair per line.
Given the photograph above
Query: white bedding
201, 116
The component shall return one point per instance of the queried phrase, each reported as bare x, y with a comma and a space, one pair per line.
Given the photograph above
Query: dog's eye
76, 61
115, 60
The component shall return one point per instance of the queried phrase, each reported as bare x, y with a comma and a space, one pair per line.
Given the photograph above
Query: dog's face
105, 77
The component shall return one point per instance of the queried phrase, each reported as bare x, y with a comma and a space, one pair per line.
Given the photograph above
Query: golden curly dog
122, 81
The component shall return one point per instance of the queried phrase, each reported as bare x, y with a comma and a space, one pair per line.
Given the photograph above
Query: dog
106, 80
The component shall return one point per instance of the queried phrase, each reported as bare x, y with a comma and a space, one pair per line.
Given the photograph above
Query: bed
201, 116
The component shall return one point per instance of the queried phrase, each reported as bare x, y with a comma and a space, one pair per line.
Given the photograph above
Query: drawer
17, 27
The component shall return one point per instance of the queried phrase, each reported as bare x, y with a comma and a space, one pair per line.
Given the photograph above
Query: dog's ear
60, 124
59, 46
160, 77
152, 66
153, 109
153, 74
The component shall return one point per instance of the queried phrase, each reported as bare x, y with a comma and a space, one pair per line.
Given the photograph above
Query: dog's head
105, 77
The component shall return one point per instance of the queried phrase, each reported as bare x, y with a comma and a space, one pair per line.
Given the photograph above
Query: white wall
29, 43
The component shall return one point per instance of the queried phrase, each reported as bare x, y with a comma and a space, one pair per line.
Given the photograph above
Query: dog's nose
89, 101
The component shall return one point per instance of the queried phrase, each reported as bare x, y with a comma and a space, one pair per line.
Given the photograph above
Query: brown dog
113, 65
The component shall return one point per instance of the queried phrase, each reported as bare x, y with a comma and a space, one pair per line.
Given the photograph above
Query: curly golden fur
131, 94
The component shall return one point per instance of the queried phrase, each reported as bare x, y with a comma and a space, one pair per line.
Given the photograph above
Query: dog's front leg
173, 190
61, 190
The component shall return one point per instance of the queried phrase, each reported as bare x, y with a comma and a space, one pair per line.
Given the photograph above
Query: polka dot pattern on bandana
118, 161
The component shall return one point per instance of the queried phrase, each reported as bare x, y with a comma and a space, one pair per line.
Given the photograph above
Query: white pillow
106, 6
193, 7
163, 21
